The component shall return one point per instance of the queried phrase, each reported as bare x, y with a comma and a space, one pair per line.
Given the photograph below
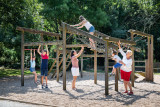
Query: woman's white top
117, 58
128, 62
88, 25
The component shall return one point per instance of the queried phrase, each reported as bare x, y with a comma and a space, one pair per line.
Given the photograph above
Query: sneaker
131, 93
42, 86
125, 92
111, 74
46, 86
36, 82
74, 89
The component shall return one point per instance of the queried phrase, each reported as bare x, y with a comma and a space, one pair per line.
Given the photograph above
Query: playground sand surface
88, 94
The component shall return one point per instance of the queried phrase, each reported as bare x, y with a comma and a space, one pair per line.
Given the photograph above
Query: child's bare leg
91, 40
35, 76
42, 77
92, 43
114, 70
46, 79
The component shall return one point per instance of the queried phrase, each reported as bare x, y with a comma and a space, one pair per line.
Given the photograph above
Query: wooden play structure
104, 45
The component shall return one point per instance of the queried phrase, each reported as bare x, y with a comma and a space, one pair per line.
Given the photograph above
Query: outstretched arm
39, 50
120, 49
79, 24
34, 53
80, 52
31, 54
47, 50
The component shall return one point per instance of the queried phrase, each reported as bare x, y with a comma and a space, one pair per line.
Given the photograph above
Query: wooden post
106, 68
146, 67
133, 63
57, 66
149, 73
116, 80
95, 67
57, 58
81, 66
149, 60
64, 56
41, 48
152, 50
133, 67
22, 59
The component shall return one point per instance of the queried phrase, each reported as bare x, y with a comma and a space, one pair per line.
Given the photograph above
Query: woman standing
88, 26
126, 68
75, 66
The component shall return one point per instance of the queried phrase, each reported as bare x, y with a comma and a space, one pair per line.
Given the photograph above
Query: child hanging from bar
89, 27
32, 65
44, 64
117, 59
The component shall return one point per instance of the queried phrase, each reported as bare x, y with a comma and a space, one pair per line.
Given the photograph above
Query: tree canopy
112, 17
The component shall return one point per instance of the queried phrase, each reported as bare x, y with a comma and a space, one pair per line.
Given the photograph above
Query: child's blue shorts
32, 69
91, 29
117, 65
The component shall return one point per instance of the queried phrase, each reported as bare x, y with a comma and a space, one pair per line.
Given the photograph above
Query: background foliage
112, 17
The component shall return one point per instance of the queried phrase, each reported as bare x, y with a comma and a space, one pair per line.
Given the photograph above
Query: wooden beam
139, 33
64, 56
95, 67
75, 45
42, 43
52, 67
22, 59
91, 56
116, 40
33, 31
106, 69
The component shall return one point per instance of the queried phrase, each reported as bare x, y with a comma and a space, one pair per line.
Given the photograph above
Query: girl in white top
89, 27
126, 68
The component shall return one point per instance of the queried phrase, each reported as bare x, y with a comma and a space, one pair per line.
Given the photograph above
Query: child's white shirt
117, 58
127, 62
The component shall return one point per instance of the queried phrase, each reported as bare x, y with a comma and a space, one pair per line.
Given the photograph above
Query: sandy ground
87, 94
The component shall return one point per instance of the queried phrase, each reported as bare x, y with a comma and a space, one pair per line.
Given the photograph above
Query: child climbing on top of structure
89, 27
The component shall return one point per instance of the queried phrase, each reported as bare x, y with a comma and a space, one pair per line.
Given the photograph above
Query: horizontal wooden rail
43, 43
33, 31
139, 33
139, 61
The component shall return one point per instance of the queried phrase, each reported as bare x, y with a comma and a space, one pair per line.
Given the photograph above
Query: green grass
156, 73
13, 72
